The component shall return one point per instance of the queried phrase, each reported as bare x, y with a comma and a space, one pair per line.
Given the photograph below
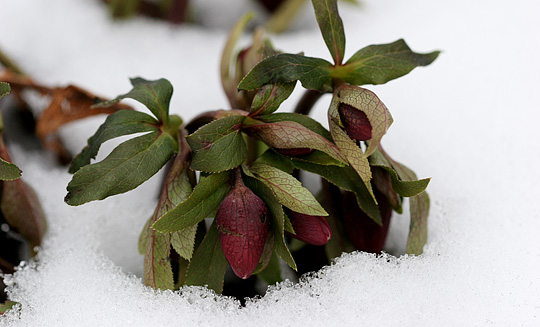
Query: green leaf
273, 159
347, 179
292, 135
419, 209
155, 95
367, 102
320, 158
303, 120
378, 64
206, 196
123, 122
272, 273
22, 210
128, 166
158, 272
183, 241
278, 218
4, 307
401, 182
331, 27
313, 73
288, 190
269, 97
9, 171
208, 266
219, 145
4, 89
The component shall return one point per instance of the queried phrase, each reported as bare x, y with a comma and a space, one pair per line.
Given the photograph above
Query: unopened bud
296, 152
356, 122
242, 224
313, 230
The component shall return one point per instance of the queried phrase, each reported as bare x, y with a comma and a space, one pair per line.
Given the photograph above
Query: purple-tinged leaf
288, 190
269, 97
331, 27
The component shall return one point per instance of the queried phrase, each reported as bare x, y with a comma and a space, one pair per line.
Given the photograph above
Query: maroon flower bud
295, 152
365, 234
242, 224
313, 230
356, 122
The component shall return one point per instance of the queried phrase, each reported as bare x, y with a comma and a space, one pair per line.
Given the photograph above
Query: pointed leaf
278, 218
4, 89
204, 199
292, 135
8, 171
367, 102
271, 158
401, 182
272, 273
158, 272
378, 64
288, 190
313, 73
219, 145
155, 95
331, 27
208, 265
123, 122
183, 241
22, 210
347, 179
128, 166
419, 208
269, 98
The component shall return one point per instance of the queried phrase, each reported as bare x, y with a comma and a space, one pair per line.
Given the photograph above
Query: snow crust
469, 121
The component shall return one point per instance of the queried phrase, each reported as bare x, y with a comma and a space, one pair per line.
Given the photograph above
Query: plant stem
307, 102
9, 64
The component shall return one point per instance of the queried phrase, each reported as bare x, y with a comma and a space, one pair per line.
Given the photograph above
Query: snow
469, 121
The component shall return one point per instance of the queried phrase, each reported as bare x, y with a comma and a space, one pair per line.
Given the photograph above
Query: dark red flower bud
313, 230
242, 224
365, 234
356, 122
295, 152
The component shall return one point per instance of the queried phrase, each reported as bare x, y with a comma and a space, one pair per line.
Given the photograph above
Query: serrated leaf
313, 73
378, 64
331, 27
271, 158
22, 210
158, 272
208, 265
367, 102
292, 135
183, 241
8, 171
347, 179
419, 209
4, 89
303, 120
123, 122
155, 95
278, 218
129, 165
288, 190
219, 145
204, 199
401, 182
269, 97
320, 158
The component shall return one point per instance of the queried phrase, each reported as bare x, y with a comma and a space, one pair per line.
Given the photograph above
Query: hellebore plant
248, 157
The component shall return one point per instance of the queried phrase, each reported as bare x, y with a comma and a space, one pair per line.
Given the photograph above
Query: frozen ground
470, 121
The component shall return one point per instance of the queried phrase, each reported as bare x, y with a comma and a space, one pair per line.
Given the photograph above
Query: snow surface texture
470, 121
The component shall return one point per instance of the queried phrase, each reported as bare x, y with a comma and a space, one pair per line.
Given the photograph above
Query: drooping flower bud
313, 230
365, 234
295, 152
356, 122
242, 224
